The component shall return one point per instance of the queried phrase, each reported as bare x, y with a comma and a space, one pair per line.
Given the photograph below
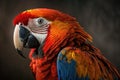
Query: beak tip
20, 53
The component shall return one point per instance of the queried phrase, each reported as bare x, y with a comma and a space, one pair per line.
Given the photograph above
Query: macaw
60, 49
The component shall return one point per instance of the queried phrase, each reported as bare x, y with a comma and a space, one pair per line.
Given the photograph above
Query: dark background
100, 18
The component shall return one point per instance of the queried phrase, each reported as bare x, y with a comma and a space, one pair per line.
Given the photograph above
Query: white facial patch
40, 37
39, 28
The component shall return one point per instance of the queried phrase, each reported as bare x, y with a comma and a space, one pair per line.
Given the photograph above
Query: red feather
49, 14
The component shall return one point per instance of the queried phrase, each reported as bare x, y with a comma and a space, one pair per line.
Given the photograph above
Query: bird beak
23, 39
17, 42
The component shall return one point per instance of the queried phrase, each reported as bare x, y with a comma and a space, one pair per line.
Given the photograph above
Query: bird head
45, 31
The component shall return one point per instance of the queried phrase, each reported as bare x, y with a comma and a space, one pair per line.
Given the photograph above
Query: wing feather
76, 64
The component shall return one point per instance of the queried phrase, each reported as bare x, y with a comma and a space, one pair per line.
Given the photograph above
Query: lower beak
23, 39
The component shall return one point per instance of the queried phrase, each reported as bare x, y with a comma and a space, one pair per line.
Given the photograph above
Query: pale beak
17, 42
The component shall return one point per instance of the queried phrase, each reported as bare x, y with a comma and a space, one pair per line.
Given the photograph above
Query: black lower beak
29, 41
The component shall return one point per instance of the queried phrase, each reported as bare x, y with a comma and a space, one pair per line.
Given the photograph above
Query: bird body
60, 48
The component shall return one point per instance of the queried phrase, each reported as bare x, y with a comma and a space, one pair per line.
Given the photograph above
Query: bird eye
40, 21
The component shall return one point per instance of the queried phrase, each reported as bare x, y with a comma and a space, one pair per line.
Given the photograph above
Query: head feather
49, 14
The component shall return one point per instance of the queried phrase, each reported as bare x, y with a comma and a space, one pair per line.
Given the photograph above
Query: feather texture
75, 64
79, 61
49, 14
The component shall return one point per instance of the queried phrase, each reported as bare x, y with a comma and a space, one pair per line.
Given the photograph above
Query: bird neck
44, 69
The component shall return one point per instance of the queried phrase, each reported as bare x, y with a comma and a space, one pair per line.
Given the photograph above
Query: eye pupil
40, 21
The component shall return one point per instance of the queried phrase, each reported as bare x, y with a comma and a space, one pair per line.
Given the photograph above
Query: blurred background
100, 18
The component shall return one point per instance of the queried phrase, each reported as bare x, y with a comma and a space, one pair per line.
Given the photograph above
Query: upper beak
23, 38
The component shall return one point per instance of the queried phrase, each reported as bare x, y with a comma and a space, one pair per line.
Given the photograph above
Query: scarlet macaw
60, 48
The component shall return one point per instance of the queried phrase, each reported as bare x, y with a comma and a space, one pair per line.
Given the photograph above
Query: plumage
50, 14
66, 49
84, 65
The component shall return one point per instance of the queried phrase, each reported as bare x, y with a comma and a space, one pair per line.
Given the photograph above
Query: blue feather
67, 70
